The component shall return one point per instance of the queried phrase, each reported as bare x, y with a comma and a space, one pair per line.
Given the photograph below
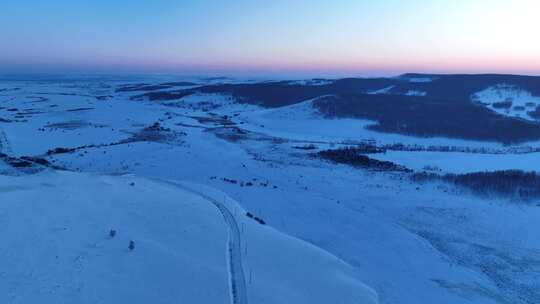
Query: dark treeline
428, 117
461, 87
354, 156
461, 149
508, 183
163, 95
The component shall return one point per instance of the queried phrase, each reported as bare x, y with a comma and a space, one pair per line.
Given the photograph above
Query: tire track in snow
4, 143
237, 281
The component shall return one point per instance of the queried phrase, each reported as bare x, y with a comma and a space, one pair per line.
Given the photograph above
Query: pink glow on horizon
342, 38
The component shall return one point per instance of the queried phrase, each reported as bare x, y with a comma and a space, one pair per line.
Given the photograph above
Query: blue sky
270, 37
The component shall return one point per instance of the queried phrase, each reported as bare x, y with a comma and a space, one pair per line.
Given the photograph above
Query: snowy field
331, 234
66, 240
456, 162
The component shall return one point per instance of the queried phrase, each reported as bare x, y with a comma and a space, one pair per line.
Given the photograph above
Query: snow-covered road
237, 281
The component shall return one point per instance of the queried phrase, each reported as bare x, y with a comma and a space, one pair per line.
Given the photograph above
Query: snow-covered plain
458, 162
415, 93
388, 90
408, 242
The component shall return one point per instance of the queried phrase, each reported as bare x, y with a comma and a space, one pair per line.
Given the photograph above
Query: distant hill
492, 107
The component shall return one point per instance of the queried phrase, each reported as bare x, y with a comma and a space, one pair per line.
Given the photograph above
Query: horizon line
258, 74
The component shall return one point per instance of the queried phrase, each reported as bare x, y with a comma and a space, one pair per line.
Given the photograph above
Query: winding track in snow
237, 281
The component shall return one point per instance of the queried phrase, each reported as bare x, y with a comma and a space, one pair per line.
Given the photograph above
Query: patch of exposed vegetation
79, 109
104, 97
306, 147
154, 132
503, 104
26, 162
255, 218
142, 87
535, 114
69, 125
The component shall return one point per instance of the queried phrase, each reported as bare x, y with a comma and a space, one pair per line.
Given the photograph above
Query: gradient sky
296, 37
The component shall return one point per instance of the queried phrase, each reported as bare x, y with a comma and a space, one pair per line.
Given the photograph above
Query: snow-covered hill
65, 239
510, 101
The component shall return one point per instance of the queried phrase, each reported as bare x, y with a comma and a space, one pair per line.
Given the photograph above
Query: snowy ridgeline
80, 238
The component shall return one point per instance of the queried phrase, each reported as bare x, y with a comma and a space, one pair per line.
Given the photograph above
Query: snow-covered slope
508, 100
303, 121
390, 90
385, 90
57, 247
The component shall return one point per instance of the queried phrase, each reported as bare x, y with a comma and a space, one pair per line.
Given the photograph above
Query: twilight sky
279, 37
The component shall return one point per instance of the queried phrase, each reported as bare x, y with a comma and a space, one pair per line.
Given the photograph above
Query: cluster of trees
354, 156
509, 183
503, 104
536, 113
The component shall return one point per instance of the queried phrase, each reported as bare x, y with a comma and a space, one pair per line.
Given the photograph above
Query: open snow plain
226, 203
